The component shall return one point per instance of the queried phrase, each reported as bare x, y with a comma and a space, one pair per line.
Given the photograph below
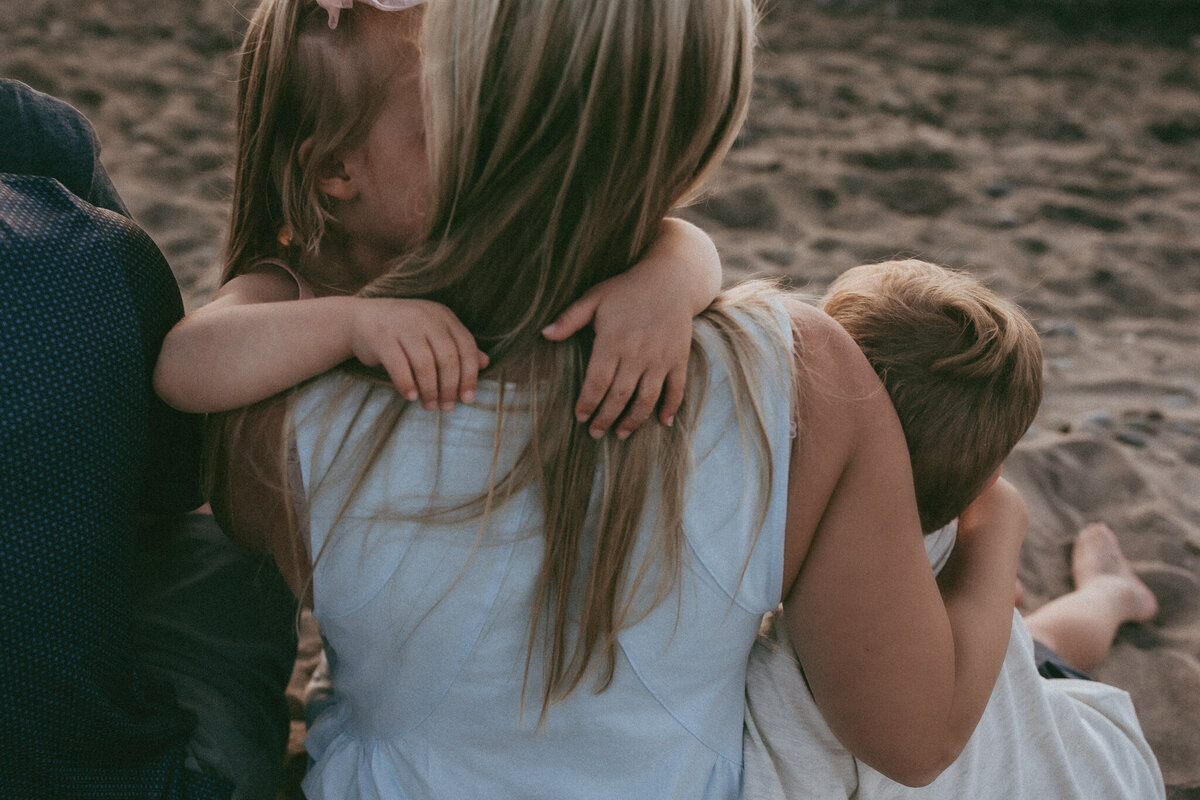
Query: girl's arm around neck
900, 676
245, 346
685, 259
643, 324
248, 344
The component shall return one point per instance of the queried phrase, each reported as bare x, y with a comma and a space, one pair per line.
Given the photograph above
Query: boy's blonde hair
962, 365
304, 92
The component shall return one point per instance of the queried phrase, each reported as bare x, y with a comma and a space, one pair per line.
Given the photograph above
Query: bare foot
1097, 559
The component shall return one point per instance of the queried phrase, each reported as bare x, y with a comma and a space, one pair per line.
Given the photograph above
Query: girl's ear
333, 179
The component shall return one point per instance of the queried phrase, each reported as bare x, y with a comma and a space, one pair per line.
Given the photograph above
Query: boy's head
963, 367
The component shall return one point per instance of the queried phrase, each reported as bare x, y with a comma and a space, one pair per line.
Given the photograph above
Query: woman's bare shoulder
827, 357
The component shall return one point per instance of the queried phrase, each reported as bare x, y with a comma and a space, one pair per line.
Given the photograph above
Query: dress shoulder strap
305, 291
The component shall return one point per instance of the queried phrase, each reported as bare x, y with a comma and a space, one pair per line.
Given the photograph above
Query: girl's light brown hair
963, 367
304, 92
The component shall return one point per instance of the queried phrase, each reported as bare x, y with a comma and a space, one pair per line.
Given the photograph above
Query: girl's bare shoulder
266, 282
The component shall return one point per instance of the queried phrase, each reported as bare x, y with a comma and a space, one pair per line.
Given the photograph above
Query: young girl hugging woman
328, 189
516, 608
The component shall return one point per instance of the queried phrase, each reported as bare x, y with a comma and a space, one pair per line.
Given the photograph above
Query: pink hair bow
334, 7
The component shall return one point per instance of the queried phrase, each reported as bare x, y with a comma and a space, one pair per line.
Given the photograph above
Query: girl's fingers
469, 376
596, 383
576, 317
672, 396
397, 367
648, 391
615, 400
468, 362
424, 369
448, 365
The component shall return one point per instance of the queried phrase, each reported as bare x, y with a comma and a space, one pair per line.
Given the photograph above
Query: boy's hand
639, 356
998, 509
427, 352
983, 564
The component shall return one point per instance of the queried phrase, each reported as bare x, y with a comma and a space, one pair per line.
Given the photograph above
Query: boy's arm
900, 674
643, 323
977, 587
255, 340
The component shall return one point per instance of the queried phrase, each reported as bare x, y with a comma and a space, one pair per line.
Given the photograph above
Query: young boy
963, 368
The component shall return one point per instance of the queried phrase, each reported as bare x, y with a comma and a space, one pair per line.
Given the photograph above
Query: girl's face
389, 168
395, 186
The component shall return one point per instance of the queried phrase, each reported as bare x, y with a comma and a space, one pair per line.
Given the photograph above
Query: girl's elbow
166, 393
171, 391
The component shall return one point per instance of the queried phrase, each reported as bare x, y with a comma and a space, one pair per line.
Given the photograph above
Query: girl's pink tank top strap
306, 293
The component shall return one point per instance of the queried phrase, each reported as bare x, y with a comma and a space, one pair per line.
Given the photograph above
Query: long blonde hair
560, 133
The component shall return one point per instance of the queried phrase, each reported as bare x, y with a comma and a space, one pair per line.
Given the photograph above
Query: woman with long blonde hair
515, 609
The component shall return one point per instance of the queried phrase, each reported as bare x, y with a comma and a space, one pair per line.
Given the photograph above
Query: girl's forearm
226, 356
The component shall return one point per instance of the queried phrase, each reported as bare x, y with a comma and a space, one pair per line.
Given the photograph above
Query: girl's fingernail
669, 422
623, 434
580, 416
448, 405
596, 433
468, 396
411, 397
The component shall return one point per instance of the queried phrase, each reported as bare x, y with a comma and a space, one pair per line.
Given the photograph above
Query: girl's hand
427, 352
640, 354
643, 324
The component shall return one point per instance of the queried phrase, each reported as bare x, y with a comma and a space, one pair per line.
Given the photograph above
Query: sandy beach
1062, 166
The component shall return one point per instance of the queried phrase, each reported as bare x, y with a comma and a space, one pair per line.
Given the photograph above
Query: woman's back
428, 624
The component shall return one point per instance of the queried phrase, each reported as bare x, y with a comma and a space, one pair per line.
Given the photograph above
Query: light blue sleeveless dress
428, 625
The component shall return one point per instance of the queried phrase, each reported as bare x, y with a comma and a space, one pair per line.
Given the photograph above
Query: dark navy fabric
42, 135
85, 298
142, 654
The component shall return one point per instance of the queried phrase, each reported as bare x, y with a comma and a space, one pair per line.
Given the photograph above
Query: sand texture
1063, 166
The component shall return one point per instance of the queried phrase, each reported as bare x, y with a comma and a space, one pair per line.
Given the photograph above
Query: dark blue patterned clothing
85, 300
142, 654
42, 135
